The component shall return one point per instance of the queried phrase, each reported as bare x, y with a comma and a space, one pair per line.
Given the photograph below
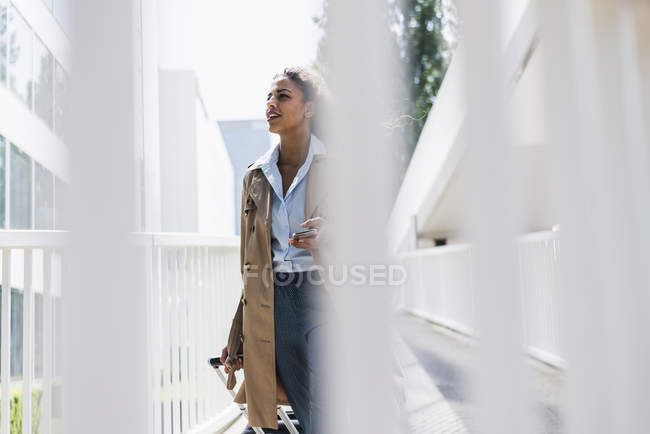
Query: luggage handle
215, 362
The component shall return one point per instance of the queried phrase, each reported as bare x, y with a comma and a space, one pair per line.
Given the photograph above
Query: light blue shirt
288, 211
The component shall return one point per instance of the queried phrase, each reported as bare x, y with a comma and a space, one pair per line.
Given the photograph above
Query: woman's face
286, 109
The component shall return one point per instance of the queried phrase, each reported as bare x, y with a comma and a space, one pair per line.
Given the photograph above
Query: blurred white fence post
105, 372
596, 125
503, 406
361, 60
28, 340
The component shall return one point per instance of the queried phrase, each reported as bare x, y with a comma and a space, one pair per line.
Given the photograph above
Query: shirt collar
316, 147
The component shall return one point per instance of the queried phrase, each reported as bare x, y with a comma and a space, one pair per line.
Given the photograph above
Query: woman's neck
294, 147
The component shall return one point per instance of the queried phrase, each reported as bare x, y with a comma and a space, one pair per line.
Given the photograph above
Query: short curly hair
313, 88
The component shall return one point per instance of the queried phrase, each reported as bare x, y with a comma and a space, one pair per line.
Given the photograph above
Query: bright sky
242, 44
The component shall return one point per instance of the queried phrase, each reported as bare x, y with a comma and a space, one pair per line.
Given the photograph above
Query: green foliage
425, 53
16, 411
424, 33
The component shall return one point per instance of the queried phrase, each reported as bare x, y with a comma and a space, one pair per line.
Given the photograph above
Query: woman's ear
309, 109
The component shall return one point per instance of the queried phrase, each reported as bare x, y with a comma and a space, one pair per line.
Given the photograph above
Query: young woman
283, 299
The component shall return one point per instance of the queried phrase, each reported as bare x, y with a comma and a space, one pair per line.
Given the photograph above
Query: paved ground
446, 358
436, 362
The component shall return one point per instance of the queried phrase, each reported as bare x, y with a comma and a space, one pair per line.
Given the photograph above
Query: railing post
165, 348
184, 340
202, 354
6, 339
176, 346
28, 341
154, 328
194, 329
46, 399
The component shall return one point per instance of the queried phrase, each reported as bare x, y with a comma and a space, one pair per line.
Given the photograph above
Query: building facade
245, 140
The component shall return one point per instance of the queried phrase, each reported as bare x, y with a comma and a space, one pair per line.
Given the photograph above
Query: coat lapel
260, 190
315, 192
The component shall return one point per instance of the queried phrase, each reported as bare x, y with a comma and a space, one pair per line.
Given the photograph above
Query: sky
240, 45
236, 47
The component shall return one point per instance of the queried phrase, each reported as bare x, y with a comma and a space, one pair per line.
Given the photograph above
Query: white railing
194, 288
539, 284
439, 288
31, 267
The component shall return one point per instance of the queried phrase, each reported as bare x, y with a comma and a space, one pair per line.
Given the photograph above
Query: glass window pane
3, 172
59, 204
48, 3
20, 57
20, 189
43, 198
60, 81
3, 41
43, 89
62, 13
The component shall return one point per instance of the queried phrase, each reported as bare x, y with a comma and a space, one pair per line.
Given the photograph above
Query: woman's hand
224, 356
313, 242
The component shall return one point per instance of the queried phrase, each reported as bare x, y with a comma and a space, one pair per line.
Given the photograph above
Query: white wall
196, 175
434, 189
178, 182
215, 178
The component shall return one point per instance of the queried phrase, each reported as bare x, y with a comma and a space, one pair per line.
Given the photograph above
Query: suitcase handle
215, 362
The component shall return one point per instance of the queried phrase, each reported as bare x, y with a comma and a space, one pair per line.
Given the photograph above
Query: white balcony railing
31, 267
193, 288
439, 288
539, 284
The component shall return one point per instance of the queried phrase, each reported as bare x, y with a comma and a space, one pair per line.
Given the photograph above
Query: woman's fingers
313, 242
313, 222
305, 243
239, 364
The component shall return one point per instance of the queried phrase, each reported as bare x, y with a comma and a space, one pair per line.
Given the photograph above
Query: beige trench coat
258, 333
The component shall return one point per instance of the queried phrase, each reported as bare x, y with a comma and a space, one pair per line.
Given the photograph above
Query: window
29, 69
60, 80
3, 41
20, 57
48, 3
43, 88
43, 198
59, 204
20, 189
62, 13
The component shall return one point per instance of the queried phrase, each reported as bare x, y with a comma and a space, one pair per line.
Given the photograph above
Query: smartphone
309, 233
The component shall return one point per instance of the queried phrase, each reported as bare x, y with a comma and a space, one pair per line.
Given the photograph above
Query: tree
426, 53
424, 33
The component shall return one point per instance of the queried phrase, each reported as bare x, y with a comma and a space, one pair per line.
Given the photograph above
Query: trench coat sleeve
235, 335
